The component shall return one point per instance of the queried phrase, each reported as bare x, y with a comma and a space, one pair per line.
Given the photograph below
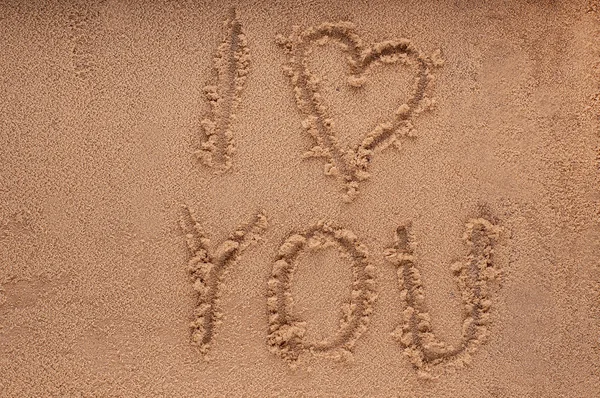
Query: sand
308, 198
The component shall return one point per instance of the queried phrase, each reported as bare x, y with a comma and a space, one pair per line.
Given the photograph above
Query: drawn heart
351, 163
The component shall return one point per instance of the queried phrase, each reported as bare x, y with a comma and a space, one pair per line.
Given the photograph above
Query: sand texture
299, 198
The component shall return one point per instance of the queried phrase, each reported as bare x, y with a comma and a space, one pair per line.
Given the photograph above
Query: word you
286, 331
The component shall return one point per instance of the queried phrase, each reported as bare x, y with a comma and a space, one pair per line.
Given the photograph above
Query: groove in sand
286, 332
473, 276
206, 270
350, 164
232, 63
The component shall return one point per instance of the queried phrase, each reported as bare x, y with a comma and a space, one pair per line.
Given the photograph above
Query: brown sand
391, 199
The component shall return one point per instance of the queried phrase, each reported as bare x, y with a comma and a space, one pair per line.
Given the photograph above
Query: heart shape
351, 164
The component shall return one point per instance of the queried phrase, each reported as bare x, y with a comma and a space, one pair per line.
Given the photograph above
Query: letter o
286, 332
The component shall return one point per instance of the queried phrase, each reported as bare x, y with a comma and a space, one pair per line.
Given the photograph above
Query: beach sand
309, 198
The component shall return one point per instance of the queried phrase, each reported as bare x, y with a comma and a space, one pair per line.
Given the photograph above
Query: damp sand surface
305, 198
